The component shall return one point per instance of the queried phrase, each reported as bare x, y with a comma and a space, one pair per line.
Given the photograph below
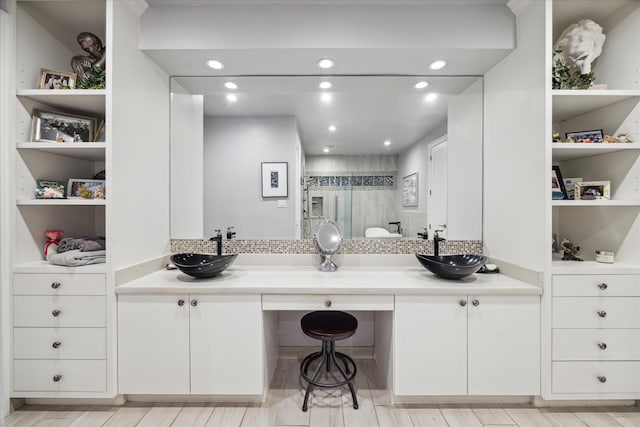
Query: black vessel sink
202, 266
452, 266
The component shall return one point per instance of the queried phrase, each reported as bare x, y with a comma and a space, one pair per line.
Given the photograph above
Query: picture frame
558, 190
86, 189
586, 136
50, 189
275, 179
56, 80
593, 190
50, 126
410, 190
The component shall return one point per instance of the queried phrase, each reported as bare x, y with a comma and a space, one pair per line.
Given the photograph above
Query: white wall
515, 196
138, 191
234, 148
187, 127
464, 165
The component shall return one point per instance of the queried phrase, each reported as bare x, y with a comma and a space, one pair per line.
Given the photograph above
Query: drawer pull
327, 303
462, 302
475, 302
180, 302
57, 378
56, 344
55, 285
56, 313
602, 378
602, 314
194, 303
602, 346
603, 286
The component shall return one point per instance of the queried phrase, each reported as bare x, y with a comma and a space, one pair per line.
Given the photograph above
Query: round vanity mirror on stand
328, 241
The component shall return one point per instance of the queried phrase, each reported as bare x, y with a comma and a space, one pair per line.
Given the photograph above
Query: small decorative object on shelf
558, 191
570, 251
53, 240
90, 68
555, 137
610, 139
570, 186
50, 189
86, 188
586, 136
59, 127
593, 190
578, 46
605, 256
624, 138
52, 79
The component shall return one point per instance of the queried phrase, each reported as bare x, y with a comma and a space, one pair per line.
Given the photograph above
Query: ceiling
366, 110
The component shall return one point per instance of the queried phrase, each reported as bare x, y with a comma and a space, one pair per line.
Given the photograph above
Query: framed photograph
586, 136
593, 190
50, 189
558, 191
410, 190
53, 79
62, 127
86, 188
275, 179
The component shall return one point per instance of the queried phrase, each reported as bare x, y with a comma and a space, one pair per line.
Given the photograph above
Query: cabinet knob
462, 302
55, 285
56, 344
56, 313
57, 378
602, 313
180, 302
475, 302
194, 303
602, 378
603, 286
327, 303
602, 346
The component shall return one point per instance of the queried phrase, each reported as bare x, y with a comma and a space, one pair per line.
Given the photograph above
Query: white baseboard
430, 400
115, 401
541, 403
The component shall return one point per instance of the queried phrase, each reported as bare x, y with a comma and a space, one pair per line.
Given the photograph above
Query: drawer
613, 285
327, 302
592, 313
59, 284
595, 377
59, 343
72, 311
74, 375
596, 344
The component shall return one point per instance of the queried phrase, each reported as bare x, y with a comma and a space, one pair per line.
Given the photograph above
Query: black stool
328, 326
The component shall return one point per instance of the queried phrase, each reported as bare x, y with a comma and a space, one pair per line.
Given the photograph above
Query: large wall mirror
272, 156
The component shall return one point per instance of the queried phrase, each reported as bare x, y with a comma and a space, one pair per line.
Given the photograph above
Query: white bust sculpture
581, 44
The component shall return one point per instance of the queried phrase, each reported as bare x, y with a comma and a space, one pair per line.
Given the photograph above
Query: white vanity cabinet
466, 345
190, 344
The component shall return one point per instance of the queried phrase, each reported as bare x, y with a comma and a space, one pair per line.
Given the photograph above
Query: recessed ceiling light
332, 128
325, 85
326, 97
326, 63
431, 97
421, 85
215, 64
230, 85
387, 143
232, 98
325, 149
440, 63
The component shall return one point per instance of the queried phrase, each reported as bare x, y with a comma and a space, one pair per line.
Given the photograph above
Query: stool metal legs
328, 354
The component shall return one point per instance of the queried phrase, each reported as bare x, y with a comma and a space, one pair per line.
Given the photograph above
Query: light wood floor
327, 408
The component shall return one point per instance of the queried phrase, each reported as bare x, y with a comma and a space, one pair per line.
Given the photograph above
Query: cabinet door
430, 345
504, 345
226, 345
153, 344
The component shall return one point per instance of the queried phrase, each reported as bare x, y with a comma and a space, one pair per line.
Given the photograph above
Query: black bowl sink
202, 266
452, 266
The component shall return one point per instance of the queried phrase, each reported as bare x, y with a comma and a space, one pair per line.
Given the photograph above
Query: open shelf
564, 151
87, 100
92, 151
595, 203
592, 267
573, 103
44, 267
61, 202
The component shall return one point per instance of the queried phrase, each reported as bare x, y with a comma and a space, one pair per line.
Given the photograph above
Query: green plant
95, 81
566, 77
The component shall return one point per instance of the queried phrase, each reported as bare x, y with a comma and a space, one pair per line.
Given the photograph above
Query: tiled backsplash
306, 246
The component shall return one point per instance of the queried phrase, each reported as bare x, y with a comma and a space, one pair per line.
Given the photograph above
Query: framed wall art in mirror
275, 179
410, 190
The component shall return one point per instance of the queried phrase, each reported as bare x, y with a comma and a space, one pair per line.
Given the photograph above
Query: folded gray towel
85, 244
75, 258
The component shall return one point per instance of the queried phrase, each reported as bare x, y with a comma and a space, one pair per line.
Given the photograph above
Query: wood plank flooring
327, 408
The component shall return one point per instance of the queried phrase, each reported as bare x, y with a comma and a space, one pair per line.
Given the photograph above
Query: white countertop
308, 280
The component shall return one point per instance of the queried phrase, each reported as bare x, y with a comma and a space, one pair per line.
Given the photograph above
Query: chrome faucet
436, 242
218, 239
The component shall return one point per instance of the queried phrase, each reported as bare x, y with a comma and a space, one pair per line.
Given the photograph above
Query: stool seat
336, 325
328, 326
